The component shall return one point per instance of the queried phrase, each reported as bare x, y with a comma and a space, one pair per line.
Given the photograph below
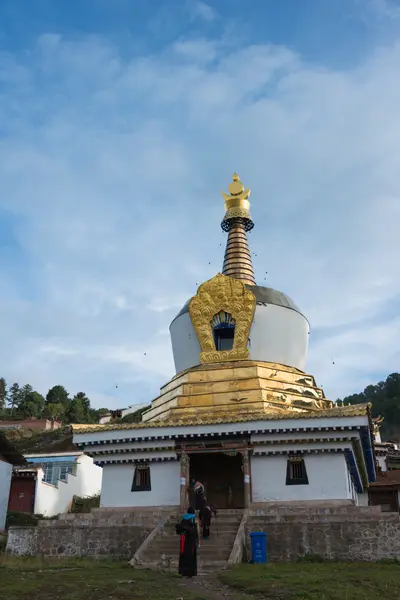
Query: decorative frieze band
136, 461
219, 434
299, 452
313, 440
130, 450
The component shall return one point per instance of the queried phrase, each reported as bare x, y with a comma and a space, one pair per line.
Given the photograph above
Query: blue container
258, 547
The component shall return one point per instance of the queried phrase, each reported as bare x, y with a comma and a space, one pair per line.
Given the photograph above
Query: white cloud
386, 8
202, 10
113, 166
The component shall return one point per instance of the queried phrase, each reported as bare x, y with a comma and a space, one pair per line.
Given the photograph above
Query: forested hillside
385, 399
22, 402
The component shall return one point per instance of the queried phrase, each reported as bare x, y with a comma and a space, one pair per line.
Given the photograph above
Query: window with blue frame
223, 326
58, 471
55, 468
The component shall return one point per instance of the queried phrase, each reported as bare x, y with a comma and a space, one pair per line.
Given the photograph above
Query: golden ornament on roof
236, 190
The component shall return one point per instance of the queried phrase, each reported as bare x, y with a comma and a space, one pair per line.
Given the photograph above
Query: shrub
84, 504
17, 519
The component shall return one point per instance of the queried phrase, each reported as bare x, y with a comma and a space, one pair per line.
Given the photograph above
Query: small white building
9, 457
49, 483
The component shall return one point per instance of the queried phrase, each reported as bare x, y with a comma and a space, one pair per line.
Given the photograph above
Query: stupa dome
278, 332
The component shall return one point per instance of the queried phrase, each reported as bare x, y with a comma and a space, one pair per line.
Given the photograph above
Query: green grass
317, 581
24, 579
84, 579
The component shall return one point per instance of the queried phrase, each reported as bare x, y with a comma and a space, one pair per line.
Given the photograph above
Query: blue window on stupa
223, 326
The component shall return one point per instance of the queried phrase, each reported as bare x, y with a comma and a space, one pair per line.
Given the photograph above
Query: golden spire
237, 221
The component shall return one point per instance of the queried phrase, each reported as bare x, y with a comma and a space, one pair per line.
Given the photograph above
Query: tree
385, 400
58, 395
78, 410
31, 404
14, 397
3, 393
102, 411
54, 411
136, 416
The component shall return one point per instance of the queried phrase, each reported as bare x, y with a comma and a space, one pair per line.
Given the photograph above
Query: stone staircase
214, 553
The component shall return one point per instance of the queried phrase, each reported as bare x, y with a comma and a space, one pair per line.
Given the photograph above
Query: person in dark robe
188, 530
205, 517
197, 494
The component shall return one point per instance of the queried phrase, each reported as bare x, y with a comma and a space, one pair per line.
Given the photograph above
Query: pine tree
58, 395
14, 397
3, 393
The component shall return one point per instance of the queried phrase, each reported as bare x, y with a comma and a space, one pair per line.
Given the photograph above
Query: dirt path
209, 587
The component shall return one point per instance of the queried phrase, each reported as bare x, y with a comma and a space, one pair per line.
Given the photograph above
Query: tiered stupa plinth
237, 388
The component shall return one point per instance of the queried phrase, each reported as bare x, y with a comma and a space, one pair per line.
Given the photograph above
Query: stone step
171, 530
230, 511
171, 550
214, 533
220, 540
174, 556
221, 517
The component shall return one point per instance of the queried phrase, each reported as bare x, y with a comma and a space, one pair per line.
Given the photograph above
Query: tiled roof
355, 410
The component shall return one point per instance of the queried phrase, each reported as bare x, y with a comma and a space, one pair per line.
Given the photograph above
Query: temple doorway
222, 476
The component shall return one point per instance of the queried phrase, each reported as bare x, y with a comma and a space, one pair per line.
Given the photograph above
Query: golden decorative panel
231, 296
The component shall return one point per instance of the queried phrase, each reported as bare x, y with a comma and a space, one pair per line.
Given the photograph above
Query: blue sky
120, 123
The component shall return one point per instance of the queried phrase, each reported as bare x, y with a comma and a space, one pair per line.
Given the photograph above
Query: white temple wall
327, 479
279, 335
382, 462
5, 483
117, 485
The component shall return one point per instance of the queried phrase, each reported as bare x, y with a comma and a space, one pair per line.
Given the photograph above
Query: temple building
385, 491
241, 414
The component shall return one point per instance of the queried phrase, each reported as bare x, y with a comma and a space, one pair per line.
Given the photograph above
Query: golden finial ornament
237, 205
236, 190
236, 222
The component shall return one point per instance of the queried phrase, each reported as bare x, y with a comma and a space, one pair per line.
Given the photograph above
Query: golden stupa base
234, 388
